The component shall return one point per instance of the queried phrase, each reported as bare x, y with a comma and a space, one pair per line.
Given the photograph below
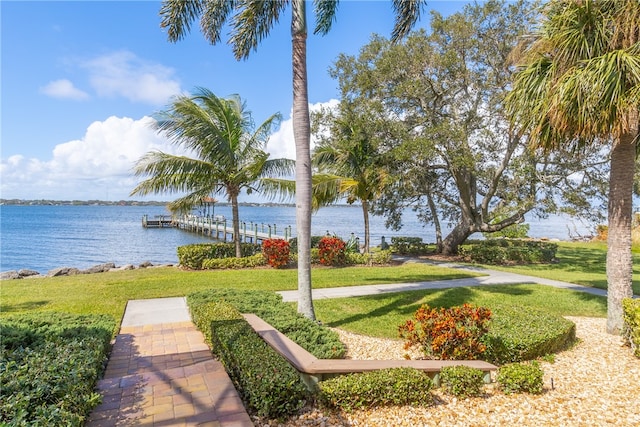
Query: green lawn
380, 315
108, 293
581, 263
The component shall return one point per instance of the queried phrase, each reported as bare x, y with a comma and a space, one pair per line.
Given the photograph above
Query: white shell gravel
595, 383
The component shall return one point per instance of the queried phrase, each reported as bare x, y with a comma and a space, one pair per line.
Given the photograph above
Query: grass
108, 293
380, 315
581, 263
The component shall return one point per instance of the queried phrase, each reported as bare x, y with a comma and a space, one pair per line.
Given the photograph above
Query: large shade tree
227, 154
250, 21
579, 85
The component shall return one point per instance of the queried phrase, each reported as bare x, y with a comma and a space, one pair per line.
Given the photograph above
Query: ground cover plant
49, 366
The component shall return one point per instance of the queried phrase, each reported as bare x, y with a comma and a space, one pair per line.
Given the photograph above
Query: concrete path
490, 277
161, 373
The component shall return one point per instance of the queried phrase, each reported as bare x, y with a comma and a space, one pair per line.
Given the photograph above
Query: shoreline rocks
72, 271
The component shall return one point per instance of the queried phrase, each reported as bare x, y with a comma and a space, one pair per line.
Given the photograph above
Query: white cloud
281, 143
97, 166
123, 74
64, 89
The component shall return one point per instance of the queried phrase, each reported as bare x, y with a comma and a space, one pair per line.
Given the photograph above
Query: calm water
45, 237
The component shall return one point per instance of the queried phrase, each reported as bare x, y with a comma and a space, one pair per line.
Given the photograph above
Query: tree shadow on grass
23, 306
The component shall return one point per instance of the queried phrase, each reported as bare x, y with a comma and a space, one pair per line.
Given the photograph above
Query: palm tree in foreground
579, 83
250, 21
228, 153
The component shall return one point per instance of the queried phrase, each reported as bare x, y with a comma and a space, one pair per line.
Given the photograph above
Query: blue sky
80, 81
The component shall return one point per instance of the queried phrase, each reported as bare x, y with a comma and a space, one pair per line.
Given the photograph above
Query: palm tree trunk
619, 261
235, 218
302, 137
367, 238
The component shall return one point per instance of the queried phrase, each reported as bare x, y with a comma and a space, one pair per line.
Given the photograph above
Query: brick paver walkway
164, 375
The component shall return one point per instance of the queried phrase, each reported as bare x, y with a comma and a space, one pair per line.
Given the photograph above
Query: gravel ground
596, 383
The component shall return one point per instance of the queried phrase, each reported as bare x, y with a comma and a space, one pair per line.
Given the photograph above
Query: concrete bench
312, 369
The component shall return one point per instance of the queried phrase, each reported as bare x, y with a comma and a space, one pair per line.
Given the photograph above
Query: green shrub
276, 252
521, 378
49, 366
519, 333
462, 381
322, 342
447, 333
256, 260
267, 382
332, 251
631, 329
373, 258
315, 256
409, 246
508, 251
396, 386
192, 256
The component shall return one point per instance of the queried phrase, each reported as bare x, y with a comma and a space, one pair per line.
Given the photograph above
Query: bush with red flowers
276, 252
448, 333
332, 251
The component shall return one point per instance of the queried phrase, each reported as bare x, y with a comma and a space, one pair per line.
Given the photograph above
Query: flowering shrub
447, 333
332, 251
276, 252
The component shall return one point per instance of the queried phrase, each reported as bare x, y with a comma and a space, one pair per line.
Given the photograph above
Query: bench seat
313, 369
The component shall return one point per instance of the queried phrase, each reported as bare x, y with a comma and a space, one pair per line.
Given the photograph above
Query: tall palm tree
251, 21
579, 83
229, 153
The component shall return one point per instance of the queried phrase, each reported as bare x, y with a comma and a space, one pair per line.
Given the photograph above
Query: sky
82, 80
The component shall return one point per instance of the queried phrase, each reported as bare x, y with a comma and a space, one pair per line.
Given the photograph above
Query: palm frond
177, 16
325, 12
252, 23
407, 14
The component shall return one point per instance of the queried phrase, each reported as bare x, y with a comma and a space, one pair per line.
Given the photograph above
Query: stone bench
312, 369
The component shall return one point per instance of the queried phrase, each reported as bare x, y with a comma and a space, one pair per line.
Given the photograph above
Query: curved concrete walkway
161, 373
489, 277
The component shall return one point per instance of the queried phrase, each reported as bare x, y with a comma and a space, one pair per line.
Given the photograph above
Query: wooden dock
158, 222
222, 229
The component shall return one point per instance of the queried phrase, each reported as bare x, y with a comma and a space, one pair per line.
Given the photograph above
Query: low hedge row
265, 380
522, 333
409, 246
252, 261
508, 251
631, 331
49, 366
316, 339
192, 256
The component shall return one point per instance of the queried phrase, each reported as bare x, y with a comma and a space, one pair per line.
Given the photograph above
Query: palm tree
250, 23
349, 165
579, 83
229, 153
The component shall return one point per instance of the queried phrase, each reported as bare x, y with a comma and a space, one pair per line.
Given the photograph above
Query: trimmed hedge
192, 256
49, 366
256, 260
521, 378
316, 339
373, 258
267, 382
462, 381
409, 246
518, 333
631, 329
508, 251
395, 386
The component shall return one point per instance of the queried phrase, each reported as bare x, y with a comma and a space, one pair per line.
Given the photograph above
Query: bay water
44, 237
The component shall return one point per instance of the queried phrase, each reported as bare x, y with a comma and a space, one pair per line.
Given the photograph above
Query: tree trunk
235, 219
619, 261
436, 222
454, 239
365, 213
302, 137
